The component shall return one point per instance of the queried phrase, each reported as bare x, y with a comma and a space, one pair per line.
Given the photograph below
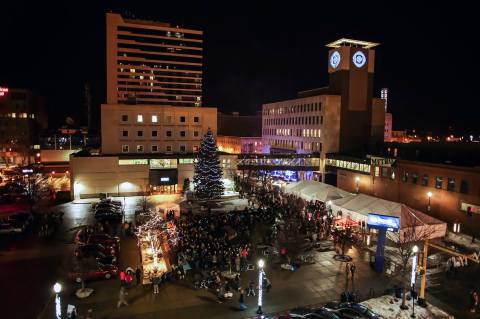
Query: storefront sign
383, 221
164, 179
475, 209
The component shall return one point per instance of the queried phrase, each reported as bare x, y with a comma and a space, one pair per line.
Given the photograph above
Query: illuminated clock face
335, 59
359, 59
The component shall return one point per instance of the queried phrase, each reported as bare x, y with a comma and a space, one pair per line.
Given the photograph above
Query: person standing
155, 282
122, 297
251, 289
241, 300
474, 301
138, 275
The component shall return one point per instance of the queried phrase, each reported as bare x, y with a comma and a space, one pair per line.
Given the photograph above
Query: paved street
310, 284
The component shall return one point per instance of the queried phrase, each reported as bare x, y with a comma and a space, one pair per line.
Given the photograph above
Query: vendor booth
155, 237
393, 220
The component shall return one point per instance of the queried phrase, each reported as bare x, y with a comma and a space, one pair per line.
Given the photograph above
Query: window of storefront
451, 184
384, 172
163, 163
464, 187
414, 178
185, 160
132, 162
425, 180
438, 182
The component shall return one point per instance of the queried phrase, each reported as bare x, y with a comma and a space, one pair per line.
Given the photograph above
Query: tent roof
313, 190
365, 204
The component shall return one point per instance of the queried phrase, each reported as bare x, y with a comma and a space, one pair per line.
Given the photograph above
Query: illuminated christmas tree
208, 171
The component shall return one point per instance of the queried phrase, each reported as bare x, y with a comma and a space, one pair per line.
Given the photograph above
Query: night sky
255, 53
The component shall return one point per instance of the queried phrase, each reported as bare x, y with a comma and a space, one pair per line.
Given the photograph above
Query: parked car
94, 250
89, 238
11, 229
108, 214
99, 272
106, 259
350, 310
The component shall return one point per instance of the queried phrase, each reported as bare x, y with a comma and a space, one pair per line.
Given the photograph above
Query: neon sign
3, 91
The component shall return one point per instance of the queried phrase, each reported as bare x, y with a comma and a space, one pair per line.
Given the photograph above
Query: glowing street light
429, 194
57, 288
260, 264
414, 278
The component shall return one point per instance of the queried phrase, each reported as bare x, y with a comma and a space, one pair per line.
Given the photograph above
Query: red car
97, 238
100, 272
93, 250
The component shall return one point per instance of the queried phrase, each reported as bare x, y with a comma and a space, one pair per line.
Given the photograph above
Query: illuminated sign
383, 221
3, 91
27, 170
335, 59
359, 59
164, 179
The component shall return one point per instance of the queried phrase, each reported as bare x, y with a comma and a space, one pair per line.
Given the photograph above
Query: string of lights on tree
155, 222
208, 171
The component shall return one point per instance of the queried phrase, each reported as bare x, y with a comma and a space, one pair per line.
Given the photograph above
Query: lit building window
139, 148
154, 119
139, 118
132, 70
14, 115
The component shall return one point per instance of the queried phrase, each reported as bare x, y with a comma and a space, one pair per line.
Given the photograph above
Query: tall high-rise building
153, 63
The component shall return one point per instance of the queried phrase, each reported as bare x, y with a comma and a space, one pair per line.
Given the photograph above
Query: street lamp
429, 194
413, 278
357, 182
57, 288
261, 264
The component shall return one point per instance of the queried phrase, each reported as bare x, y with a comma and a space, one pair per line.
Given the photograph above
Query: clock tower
351, 68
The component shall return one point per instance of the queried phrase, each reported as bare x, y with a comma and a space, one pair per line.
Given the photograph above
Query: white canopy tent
359, 206
313, 190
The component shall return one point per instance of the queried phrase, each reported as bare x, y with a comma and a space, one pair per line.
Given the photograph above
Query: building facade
229, 144
131, 175
341, 118
153, 63
454, 190
141, 129
22, 118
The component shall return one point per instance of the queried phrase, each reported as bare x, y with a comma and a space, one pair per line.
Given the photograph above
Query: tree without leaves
208, 171
414, 232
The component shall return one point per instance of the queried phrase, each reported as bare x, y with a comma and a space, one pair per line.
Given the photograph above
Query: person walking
241, 300
122, 297
138, 275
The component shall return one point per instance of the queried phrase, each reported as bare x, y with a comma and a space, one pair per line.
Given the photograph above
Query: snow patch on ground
383, 306
463, 240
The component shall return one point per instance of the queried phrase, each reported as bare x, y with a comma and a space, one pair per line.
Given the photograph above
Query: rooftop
350, 42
